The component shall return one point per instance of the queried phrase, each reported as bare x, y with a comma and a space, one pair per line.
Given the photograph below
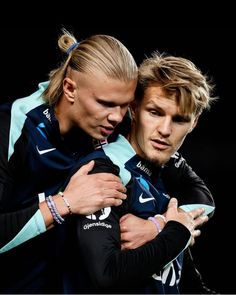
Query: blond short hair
179, 75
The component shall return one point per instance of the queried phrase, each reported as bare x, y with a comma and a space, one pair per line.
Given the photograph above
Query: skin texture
94, 103
159, 129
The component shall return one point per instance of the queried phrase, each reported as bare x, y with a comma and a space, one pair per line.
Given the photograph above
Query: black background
29, 53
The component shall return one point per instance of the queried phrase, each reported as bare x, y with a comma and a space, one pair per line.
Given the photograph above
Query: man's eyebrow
152, 104
110, 102
106, 102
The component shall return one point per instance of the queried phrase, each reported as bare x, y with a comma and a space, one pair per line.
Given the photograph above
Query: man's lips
159, 144
105, 130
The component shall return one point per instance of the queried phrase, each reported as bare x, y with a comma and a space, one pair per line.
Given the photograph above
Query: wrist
161, 219
66, 203
62, 208
156, 223
54, 209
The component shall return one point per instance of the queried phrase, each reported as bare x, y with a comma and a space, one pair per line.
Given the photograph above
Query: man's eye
107, 104
154, 112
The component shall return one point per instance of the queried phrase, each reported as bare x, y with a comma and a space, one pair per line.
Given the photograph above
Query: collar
123, 155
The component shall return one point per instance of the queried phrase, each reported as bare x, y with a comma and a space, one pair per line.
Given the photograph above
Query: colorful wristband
53, 209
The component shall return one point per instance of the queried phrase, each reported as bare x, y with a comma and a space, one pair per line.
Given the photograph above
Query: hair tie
72, 47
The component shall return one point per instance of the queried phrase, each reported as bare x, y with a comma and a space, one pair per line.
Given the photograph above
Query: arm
85, 194
14, 224
181, 182
98, 238
21, 221
104, 255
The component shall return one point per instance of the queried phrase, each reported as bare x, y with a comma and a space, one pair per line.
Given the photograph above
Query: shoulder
175, 167
102, 162
176, 160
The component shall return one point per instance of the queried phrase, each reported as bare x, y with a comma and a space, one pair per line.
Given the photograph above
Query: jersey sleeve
98, 239
184, 184
11, 222
191, 281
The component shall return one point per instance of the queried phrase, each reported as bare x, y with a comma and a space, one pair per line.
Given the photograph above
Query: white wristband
157, 224
161, 216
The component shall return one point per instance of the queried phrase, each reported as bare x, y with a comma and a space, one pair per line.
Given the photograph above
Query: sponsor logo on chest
144, 168
47, 114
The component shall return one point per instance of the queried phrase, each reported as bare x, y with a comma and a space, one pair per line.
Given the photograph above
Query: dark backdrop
29, 53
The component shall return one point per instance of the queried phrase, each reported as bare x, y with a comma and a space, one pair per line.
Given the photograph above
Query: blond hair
97, 53
178, 75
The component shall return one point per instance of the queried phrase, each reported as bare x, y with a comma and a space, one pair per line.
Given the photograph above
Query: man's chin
158, 161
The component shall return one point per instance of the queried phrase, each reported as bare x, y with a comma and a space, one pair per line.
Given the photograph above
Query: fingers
196, 212
191, 219
124, 217
196, 233
201, 220
125, 246
118, 186
196, 219
113, 202
109, 181
108, 177
109, 201
123, 224
173, 203
85, 169
113, 193
88, 193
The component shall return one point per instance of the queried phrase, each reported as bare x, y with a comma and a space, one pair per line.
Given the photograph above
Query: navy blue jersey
34, 163
35, 160
101, 267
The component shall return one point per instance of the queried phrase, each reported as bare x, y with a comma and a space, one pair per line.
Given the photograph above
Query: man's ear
69, 87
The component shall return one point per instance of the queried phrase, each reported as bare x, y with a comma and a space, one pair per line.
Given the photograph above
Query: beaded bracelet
157, 224
66, 202
53, 209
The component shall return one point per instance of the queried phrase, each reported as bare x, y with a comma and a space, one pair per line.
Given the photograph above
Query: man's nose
165, 127
116, 115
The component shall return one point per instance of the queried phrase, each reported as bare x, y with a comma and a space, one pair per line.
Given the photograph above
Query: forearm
46, 213
184, 184
12, 223
105, 256
25, 224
